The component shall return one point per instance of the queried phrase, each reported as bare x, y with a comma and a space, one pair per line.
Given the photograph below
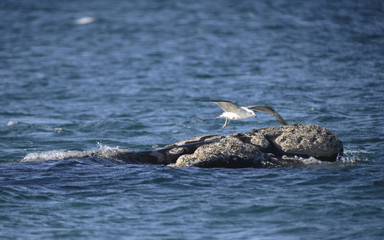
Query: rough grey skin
228, 152
266, 148
300, 140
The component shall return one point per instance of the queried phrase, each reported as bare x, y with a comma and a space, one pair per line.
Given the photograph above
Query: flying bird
233, 112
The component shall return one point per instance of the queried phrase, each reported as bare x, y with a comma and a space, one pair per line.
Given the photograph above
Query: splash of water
103, 151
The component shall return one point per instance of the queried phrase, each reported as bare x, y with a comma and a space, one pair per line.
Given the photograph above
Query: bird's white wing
269, 110
227, 106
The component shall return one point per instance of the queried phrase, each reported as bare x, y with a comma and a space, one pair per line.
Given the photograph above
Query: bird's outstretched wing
227, 106
269, 110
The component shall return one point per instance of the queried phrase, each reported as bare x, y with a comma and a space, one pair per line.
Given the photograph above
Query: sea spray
103, 151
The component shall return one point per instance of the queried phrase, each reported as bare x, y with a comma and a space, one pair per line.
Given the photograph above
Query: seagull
233, 112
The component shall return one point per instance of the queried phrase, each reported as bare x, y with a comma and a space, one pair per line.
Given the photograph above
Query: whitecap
104, 151
313, 162
10, 123
84, 20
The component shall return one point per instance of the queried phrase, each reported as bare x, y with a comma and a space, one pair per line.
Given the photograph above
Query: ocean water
96, 76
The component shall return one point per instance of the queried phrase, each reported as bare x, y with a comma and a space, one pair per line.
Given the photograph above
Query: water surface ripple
79, 77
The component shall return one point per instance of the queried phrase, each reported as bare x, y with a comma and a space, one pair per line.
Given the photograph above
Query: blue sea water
86, 76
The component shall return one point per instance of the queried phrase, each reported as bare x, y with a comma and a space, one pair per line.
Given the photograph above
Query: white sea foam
10, 123
346, 159
104, 151
84, 20
354, 156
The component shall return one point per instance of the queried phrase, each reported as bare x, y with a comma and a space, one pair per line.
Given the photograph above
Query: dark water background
130, 79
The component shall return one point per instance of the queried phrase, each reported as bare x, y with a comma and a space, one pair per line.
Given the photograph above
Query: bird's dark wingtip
219, 101
209, 100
